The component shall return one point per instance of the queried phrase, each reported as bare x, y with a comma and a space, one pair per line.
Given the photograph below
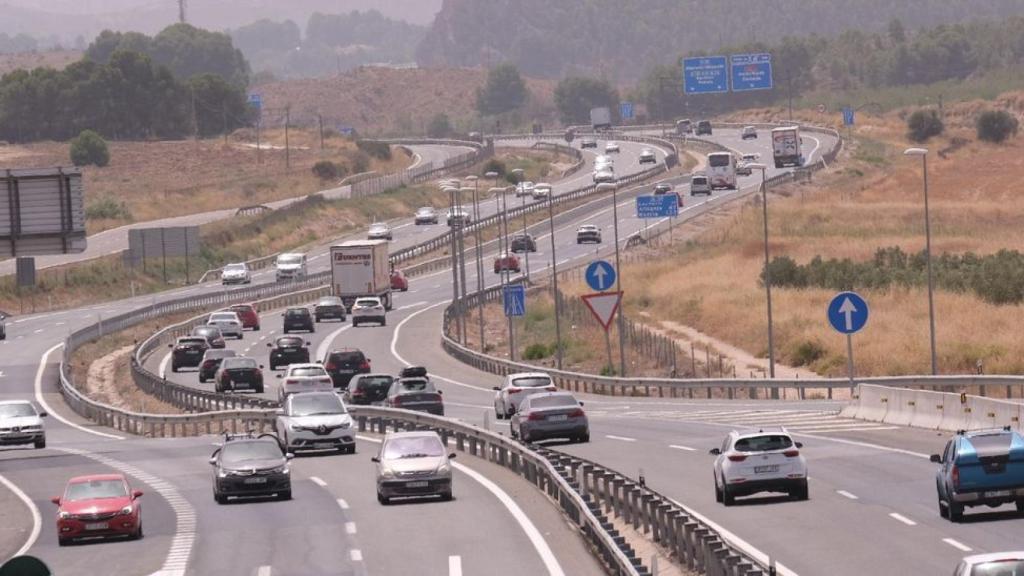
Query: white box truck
601, 118
786, 147
361, 268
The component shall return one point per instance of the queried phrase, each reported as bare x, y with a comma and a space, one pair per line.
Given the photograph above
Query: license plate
766, 469
290, 350
323, 445
420, 484
997, 494
97, 526
256, 480
558, 418
346, 371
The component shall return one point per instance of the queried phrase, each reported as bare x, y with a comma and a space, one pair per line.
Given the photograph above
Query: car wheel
138, 532
497, 413
801, 492
355, 323
174, 368
260, 390
383, 499
383, 322
956, 511
446, 496
220, 499
317, 320
727, 498
585, 437
718, 493
41, 443
285, 495
943, 512
256, 328
1020, 506
202, 380
63, 541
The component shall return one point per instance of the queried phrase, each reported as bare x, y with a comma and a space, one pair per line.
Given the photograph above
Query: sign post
848, 313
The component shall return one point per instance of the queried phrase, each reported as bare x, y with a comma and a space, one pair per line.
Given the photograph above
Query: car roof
559, 393
312, 393
93, 477
296, 309
993, 557
765, 431
416, 434
305, 365
528, 375
242, 306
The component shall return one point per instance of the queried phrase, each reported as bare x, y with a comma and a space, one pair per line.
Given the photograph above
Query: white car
604, 176
524, 189
994, 564
236, 273
20, 423
602, 159
315, 421
611, 148
542, 191
751, 157
290, 266
368, 310
458, 216
761, 461
426, 215
647, 156
304, 378
517, 387
228, 322
379, 231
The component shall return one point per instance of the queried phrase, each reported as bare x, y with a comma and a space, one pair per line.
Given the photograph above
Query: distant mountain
620, 39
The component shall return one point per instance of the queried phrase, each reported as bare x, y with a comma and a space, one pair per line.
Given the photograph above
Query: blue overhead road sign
256, 101
657, 206
751, 72
708, 75
848, 312
600, 275
626, 110
848, 116
515, 300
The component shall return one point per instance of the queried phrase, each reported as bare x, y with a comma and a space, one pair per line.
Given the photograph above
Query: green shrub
108, 208
495, 165
996, 126
439, 127
89, 148
359, 161
537, 351
923, 124
785, 272
807, 353
326, 170
378, 150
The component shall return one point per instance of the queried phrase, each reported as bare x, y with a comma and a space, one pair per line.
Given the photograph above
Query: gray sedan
550, 415
413, 464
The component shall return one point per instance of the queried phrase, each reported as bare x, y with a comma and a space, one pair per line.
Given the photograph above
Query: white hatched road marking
846, 494
958, 545
620, 438
902, 518
263, 571
802, 421
356, 555
342, 504
350, 527
316, 480
455, 566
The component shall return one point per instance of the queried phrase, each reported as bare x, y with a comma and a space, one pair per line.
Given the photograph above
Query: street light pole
479, 256
923, 153
506, 273
452, 220
604, 187
554, 280
462, 267
767, 274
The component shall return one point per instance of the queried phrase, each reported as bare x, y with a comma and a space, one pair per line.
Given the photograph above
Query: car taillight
956, 476
365, 365
535, 416
791, 453
291, 381
737, 458
514, 390
551, 388
397, 401
357, 393
331, 366
576, 413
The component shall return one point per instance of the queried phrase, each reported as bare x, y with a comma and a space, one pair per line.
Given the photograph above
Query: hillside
620, 40
28, 60
395, 101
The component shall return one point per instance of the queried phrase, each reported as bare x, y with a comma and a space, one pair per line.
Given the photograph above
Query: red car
98, 505
505, 262
399, 281
248, 315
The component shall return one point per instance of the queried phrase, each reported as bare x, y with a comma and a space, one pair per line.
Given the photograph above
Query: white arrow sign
603, 306
601, 273
847, 309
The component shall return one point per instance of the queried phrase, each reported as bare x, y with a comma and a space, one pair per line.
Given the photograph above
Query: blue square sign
705, 75
751, 72
514, 298
626, 110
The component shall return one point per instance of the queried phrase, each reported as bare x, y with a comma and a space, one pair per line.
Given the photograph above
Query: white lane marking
536, 538
846, 494
865, 445
413, 305
958, 545
685, 448
620, 438
356, 555
342, 504
350, 527
321, 350
455, 566
38, 331
37, 520
902, 518
318, 481
735, 540
59, 323
43, 404
163, 364
263, 571
416, 162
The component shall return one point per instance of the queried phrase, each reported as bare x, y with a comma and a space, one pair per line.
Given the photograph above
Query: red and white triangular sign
603, 306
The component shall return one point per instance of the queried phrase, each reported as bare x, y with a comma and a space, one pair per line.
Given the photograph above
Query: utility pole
195, 116
182, 4
320, 118
287, 148
224, 113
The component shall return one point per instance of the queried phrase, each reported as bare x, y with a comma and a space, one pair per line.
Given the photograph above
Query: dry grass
57, 59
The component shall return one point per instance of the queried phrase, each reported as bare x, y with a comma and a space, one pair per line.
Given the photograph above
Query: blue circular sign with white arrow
600, 275
848, 312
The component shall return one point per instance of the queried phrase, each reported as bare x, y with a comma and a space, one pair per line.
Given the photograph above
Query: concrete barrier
852, 410
874, 402
901, 406
1000, 413
980, 413
932, 410
930, 406
955, 415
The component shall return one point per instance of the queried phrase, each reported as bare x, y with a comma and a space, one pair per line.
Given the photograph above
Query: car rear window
191, 341
989, 445
243, 308
289, 342
999, 568
239, 363
329, 302
416, 386
552, 401
308, 371
531, 382
223, 316
699, 180
375, 382
763, 443
353, 357
298, 312
367, 303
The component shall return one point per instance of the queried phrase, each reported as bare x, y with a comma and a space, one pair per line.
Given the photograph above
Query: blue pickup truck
980, 468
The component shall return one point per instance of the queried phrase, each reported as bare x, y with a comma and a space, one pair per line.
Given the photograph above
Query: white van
699, 184
290, 266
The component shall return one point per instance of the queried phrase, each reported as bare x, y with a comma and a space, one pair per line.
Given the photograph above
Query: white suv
290, 267
228, 322
761, 461
368, 310
517, 387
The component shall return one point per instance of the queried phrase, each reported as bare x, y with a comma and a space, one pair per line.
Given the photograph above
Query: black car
288, 350
329, 307
345, 363
3, 329
238, 372
298, 319
367, 389
523, 243
415, 394
188, 352
211, 362
247, 466
703, 127
212, 335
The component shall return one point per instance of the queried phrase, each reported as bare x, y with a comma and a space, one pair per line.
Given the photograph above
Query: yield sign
603, 306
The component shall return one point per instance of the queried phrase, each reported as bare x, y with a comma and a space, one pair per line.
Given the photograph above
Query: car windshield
96, 489
316, 404
552, 401
308, 371
289, 342
413, 447
763, 443
329, 302
999, 568
375, 382
238, 363
240, 452
223, 316
531, 381
235, 268
289, 259
16, 410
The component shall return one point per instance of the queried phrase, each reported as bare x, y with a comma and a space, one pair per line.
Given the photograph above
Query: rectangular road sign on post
658, 206
256, 101
751, 72
626, 110
848, 116
706, 75
41, 212
515, 300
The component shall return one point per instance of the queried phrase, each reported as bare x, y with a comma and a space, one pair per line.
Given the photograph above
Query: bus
722, 170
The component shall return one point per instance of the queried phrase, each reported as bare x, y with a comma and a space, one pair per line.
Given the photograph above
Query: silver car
604, 176
517, 387
315, 421
994, 564
20, 423
413, 464
550, 415
228, 322
236, 273
379, 231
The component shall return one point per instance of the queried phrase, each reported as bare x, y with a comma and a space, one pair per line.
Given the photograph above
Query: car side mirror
935, 458
55, 500
581, 404
375, 459
270, 345
136, 494
280, 375
261, 366
369, 360
799, 444
319, 361
452, 455
308, 343
496, 388
715, 451
289, 456
213, 460
440, 391
43, 414
170, 345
